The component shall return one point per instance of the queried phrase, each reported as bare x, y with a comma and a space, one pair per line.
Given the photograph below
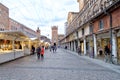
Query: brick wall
106, 20
116, 18
55, 34
4, 17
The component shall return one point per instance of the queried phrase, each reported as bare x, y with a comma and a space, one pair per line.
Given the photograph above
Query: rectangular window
83, 31
91, 29
101, 24
77, 34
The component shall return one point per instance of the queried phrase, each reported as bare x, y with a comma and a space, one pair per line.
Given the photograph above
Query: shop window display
18, 45
101, 45
119, 50
5, 45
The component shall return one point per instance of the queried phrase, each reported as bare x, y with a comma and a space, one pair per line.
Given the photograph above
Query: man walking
79, 50
107, 53
38, 52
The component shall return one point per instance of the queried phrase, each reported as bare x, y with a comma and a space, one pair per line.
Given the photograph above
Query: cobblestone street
61, 65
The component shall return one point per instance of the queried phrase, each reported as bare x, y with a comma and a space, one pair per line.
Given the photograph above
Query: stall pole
13, 47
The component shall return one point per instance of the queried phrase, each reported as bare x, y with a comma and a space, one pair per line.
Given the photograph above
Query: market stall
13, 44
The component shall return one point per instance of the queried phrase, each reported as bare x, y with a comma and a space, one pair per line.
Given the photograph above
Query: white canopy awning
33, 38
13, 35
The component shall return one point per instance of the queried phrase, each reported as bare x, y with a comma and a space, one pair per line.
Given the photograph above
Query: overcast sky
41, 13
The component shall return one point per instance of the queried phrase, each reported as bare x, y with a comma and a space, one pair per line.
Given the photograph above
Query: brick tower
54, 35
38, 33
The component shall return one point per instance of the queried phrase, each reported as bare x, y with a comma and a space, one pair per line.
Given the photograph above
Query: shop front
103, 39
81, 41
118, 44
101, 43
89, 45
12, 45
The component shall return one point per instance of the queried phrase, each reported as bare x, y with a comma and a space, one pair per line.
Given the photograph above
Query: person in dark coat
79, 50
33, 49
38, 50
107, 53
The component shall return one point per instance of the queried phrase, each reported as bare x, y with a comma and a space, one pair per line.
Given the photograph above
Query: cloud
42, 13
58, 19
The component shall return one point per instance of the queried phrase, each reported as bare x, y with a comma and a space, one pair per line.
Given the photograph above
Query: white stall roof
33, 38
13, 35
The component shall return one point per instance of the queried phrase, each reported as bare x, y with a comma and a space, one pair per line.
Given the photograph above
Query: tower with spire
38, 33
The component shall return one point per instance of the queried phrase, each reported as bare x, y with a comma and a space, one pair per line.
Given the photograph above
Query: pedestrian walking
33, 49
79, 50
42, 52
38, 50
54, 47
65, 47
107, 53
50, 48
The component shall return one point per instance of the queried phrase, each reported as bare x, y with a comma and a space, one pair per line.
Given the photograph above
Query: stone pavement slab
61, 65
113, 67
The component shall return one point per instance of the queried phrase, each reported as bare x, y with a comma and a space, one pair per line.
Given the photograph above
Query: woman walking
42, 52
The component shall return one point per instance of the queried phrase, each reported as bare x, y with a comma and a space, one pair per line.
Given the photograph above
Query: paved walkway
113, 67
62, 65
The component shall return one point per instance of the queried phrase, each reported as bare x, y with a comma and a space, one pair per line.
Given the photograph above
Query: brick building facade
97, 24
14, 25
4, 17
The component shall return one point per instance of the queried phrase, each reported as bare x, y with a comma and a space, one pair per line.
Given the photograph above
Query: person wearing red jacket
42, 52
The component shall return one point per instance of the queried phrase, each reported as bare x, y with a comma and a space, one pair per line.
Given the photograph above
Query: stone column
69, 45
13, 45
114, 46
74, 46
95, 45
22, 45
78, 42
29, 46
85, 46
